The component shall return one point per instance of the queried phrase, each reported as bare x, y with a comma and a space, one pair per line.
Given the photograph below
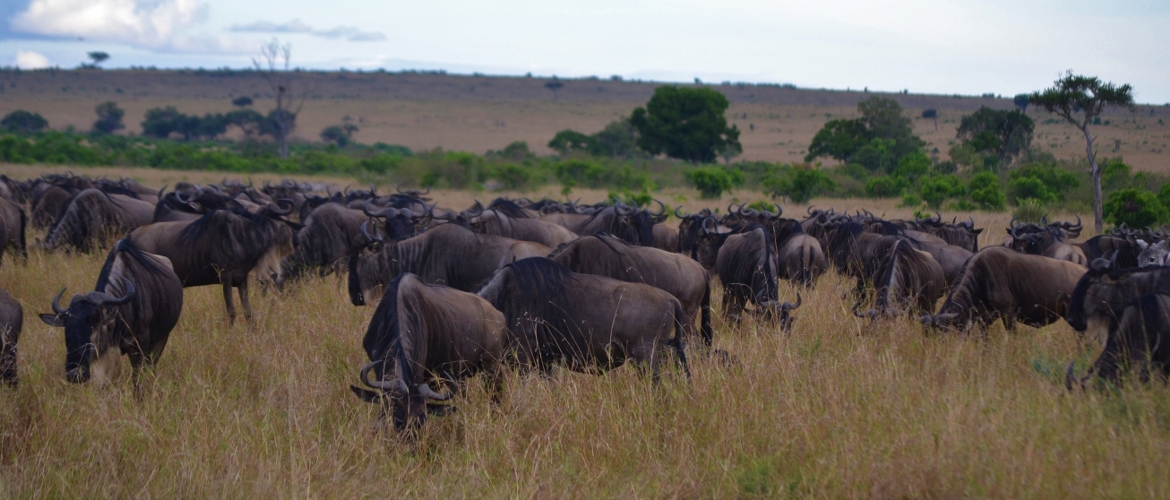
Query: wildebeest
999, 283
589, 322
92, 217
420, 331
447, 254
324, 241
221, 247
1156, 254
1105, 290
188, 206
1122, 249
526, 229
682, 277
11, 322
746, 265
132, 310
13, 226
1138, 339
800, 258
906, 278
631, 224
1047, 241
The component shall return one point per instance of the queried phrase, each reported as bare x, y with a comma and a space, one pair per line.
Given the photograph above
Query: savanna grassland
841, 407
480, 113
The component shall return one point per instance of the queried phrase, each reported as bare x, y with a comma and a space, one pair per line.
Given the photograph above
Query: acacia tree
283, 118
1079, 99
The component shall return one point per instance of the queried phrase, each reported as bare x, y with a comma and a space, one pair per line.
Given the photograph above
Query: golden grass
839, 408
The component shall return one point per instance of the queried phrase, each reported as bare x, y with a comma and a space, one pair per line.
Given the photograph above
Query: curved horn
475, 210
366, 232
396, 386
788, 306
712, 222
105, 299
278, 207
1013, 224
399, 188
426, 392
57, 302
179, 197
937, 217
676, 214
661, 210
388, 213
779, 211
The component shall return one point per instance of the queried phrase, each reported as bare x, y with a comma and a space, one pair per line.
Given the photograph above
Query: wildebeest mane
509, 208
531, 301
241, 244
383, 338
124, 245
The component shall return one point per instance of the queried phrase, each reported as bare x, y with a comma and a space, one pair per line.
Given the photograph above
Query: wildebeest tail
804, 275
677, 341
23, 229
705, 321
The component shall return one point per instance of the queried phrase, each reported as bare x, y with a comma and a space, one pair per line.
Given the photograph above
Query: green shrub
984, 191
913, 166
884, 186
512, 176
1042, 181
713, 181
1136, 208
1116, 175
1029, 210
1164, 195
800, 184
910, 200
939, 188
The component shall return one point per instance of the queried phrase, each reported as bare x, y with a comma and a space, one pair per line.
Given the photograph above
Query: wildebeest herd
532, 285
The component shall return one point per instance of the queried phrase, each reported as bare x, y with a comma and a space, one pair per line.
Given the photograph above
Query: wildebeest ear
977, 231
1100, 264
52, 320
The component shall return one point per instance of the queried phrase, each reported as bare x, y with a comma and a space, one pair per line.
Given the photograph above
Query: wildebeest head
1153, 255
392, 366
363, 266
781, 312
400, 223
89, 324
1104, 291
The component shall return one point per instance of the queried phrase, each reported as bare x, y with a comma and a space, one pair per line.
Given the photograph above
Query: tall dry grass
841, 407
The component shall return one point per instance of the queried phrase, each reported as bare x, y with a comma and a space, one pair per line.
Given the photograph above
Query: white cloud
151, 24
351, 33
30, 60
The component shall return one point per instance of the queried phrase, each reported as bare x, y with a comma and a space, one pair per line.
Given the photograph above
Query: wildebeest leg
243, 288
732, 304
138, 362
227, 298
8, 359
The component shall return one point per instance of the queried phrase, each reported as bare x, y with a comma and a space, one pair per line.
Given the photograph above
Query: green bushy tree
802, 183
939, 188
109, 118
685, 123
713, 181
1135, 208
984, 191
23, 122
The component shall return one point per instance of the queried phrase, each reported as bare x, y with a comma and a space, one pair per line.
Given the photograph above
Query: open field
841, 407
481, 113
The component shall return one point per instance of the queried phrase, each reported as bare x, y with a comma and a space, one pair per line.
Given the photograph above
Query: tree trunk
1098, 215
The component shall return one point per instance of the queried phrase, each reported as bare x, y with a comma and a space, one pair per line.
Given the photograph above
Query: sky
925, 46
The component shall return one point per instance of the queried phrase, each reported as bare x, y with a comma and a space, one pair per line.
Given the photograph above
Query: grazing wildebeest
1139, 339
746, 265
685, 279
324, 241
221, 247
132, 310
11, 322
92, 218
999, 283
420, 331
13, 225
447, 254
851, 248
589, 322
526, 229
906, 278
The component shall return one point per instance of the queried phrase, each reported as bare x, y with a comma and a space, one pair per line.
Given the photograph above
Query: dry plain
477, 113
841, 407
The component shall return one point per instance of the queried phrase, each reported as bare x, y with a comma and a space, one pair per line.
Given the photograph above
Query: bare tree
274, 67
